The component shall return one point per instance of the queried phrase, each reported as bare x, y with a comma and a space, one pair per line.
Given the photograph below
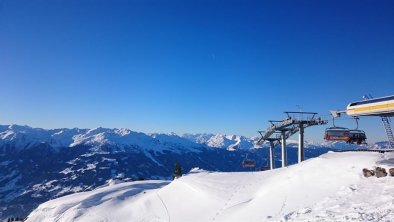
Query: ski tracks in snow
370, 200
165, 206
242, 185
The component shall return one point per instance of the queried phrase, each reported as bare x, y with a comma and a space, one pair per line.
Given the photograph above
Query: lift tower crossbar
279, 131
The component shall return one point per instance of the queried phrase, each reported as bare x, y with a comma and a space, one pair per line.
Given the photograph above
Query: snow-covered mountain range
23, 137
38, 164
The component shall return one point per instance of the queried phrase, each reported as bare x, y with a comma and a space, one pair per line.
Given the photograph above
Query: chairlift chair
337, 134
357, 137
248, 163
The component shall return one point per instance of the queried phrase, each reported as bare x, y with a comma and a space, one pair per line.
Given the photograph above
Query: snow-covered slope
229, 142
37, 165
328, 188
24, 137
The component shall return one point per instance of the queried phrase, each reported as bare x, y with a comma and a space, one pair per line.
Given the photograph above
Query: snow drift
330, 187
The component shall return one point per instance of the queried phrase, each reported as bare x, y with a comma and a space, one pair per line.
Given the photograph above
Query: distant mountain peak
48, 163
23, 136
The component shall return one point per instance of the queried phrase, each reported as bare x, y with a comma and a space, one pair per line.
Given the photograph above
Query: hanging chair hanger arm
336, 113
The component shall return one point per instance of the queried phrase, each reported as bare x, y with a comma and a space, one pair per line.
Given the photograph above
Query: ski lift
336, 133
248, 163
357, 136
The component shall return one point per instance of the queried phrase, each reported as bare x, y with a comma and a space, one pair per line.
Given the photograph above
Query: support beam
284, 151
272, 155
279, 131
301, 153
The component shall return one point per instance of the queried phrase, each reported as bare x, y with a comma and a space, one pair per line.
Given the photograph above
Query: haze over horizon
192, 66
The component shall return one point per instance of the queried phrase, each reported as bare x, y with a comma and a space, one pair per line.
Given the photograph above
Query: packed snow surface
328, 188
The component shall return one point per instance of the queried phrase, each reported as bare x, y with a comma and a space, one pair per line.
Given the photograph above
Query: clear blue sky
191, 66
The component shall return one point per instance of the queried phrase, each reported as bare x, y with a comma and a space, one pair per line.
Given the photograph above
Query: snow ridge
327, 188
24, 137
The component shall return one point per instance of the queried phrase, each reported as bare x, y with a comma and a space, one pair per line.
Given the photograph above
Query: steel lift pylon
280, 131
